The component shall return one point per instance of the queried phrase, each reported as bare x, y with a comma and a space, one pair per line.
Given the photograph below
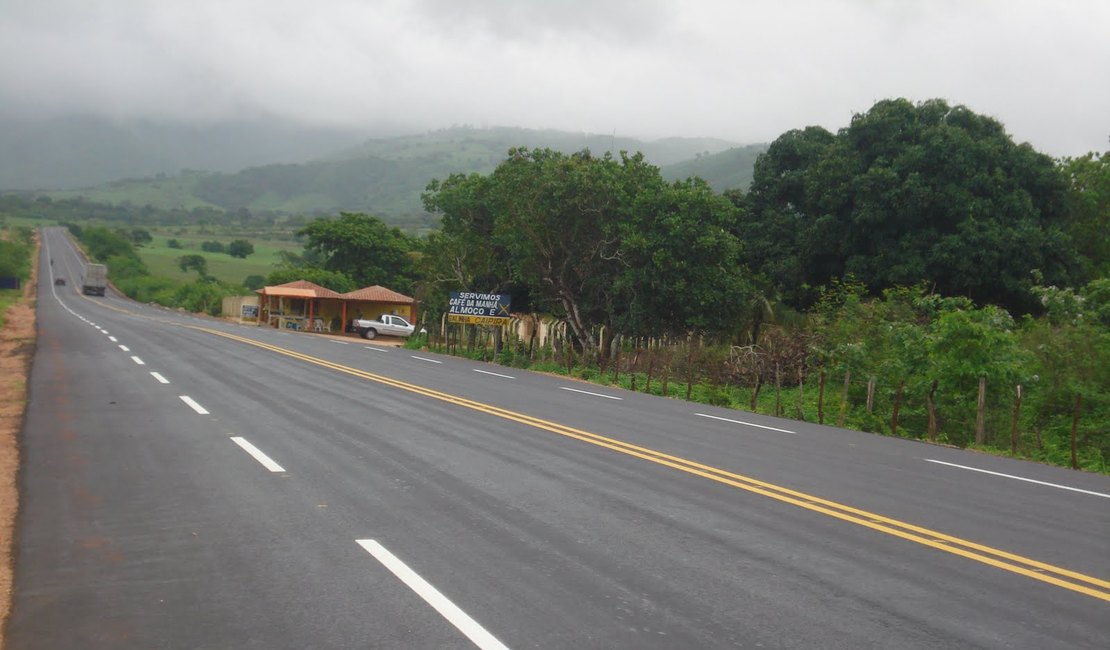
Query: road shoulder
17, 346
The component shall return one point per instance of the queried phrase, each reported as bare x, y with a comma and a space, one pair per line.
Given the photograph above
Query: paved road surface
189, 483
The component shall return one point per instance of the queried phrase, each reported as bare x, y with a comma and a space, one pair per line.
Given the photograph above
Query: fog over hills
83, 151
275, 167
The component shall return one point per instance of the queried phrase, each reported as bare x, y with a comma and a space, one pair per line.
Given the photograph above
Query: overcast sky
744, 70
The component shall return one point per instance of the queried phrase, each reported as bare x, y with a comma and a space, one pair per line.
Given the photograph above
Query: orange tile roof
377, 293
287, 292
318, 291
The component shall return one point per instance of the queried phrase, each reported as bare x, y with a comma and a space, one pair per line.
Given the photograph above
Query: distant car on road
59, 282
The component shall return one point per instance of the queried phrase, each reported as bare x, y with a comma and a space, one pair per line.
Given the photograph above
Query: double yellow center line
1071, 580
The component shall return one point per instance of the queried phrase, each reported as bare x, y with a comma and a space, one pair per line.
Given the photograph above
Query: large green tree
102, 243
681, 264
599, 241
363, 248
908, 193
1089, 199
240, 248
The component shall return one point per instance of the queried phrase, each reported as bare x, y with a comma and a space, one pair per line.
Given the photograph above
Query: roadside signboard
249, 312
478, 308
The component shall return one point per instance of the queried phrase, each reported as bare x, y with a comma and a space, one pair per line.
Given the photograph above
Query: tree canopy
910, 192
363, 248
1088, 178
600, 241
240, 248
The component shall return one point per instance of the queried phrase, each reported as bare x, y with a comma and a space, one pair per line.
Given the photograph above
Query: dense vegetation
916, 257
385, 176
916, 273
118, 249
907, 193
16, 246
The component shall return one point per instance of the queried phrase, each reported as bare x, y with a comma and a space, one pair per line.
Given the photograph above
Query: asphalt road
189, 483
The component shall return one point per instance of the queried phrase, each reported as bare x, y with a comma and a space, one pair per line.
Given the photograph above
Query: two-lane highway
190, 483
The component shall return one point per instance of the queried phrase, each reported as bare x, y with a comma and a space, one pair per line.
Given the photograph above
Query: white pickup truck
388, 324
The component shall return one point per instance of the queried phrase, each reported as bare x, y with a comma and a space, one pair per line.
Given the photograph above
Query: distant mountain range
173, 167
54, 153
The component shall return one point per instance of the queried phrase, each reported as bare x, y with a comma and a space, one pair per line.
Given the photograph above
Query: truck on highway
387, 324
95, 281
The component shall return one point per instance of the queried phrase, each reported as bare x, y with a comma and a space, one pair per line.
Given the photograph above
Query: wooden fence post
981, 413
844, 399
1074, 426
689, 366
821, 399
897, 407
1014, 427
801, 393
778, 389
632, 368
617, 367
931, 405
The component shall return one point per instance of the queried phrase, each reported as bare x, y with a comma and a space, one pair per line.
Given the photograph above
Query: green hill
385, 176
727, 170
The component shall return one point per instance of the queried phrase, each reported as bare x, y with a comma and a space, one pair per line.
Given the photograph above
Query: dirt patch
17, 345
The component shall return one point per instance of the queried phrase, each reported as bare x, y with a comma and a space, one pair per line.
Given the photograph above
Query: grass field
161, 260
8, 297
166, 192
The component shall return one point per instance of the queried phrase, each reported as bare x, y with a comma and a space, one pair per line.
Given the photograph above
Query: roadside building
375, 301
300, 305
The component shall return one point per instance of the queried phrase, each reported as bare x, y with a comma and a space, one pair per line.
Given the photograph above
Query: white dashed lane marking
747, 424
257, 454
457, 617
586, 392
1017, 478
495, 374
193, 405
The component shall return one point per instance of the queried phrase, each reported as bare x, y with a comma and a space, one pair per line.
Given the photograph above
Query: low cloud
745, 71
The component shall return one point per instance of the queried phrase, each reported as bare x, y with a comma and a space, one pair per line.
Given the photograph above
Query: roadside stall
284, 307
301, 305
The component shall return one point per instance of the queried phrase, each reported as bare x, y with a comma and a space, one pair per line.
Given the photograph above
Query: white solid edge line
125, 348
1017, 478
424, 359
495, 374
586, 392
257, 454
159, 377
747, 424
193, 405
460, 619
138, 361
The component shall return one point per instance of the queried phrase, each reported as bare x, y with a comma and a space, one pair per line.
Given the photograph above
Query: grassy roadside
161, 260
805, 403
17, 344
